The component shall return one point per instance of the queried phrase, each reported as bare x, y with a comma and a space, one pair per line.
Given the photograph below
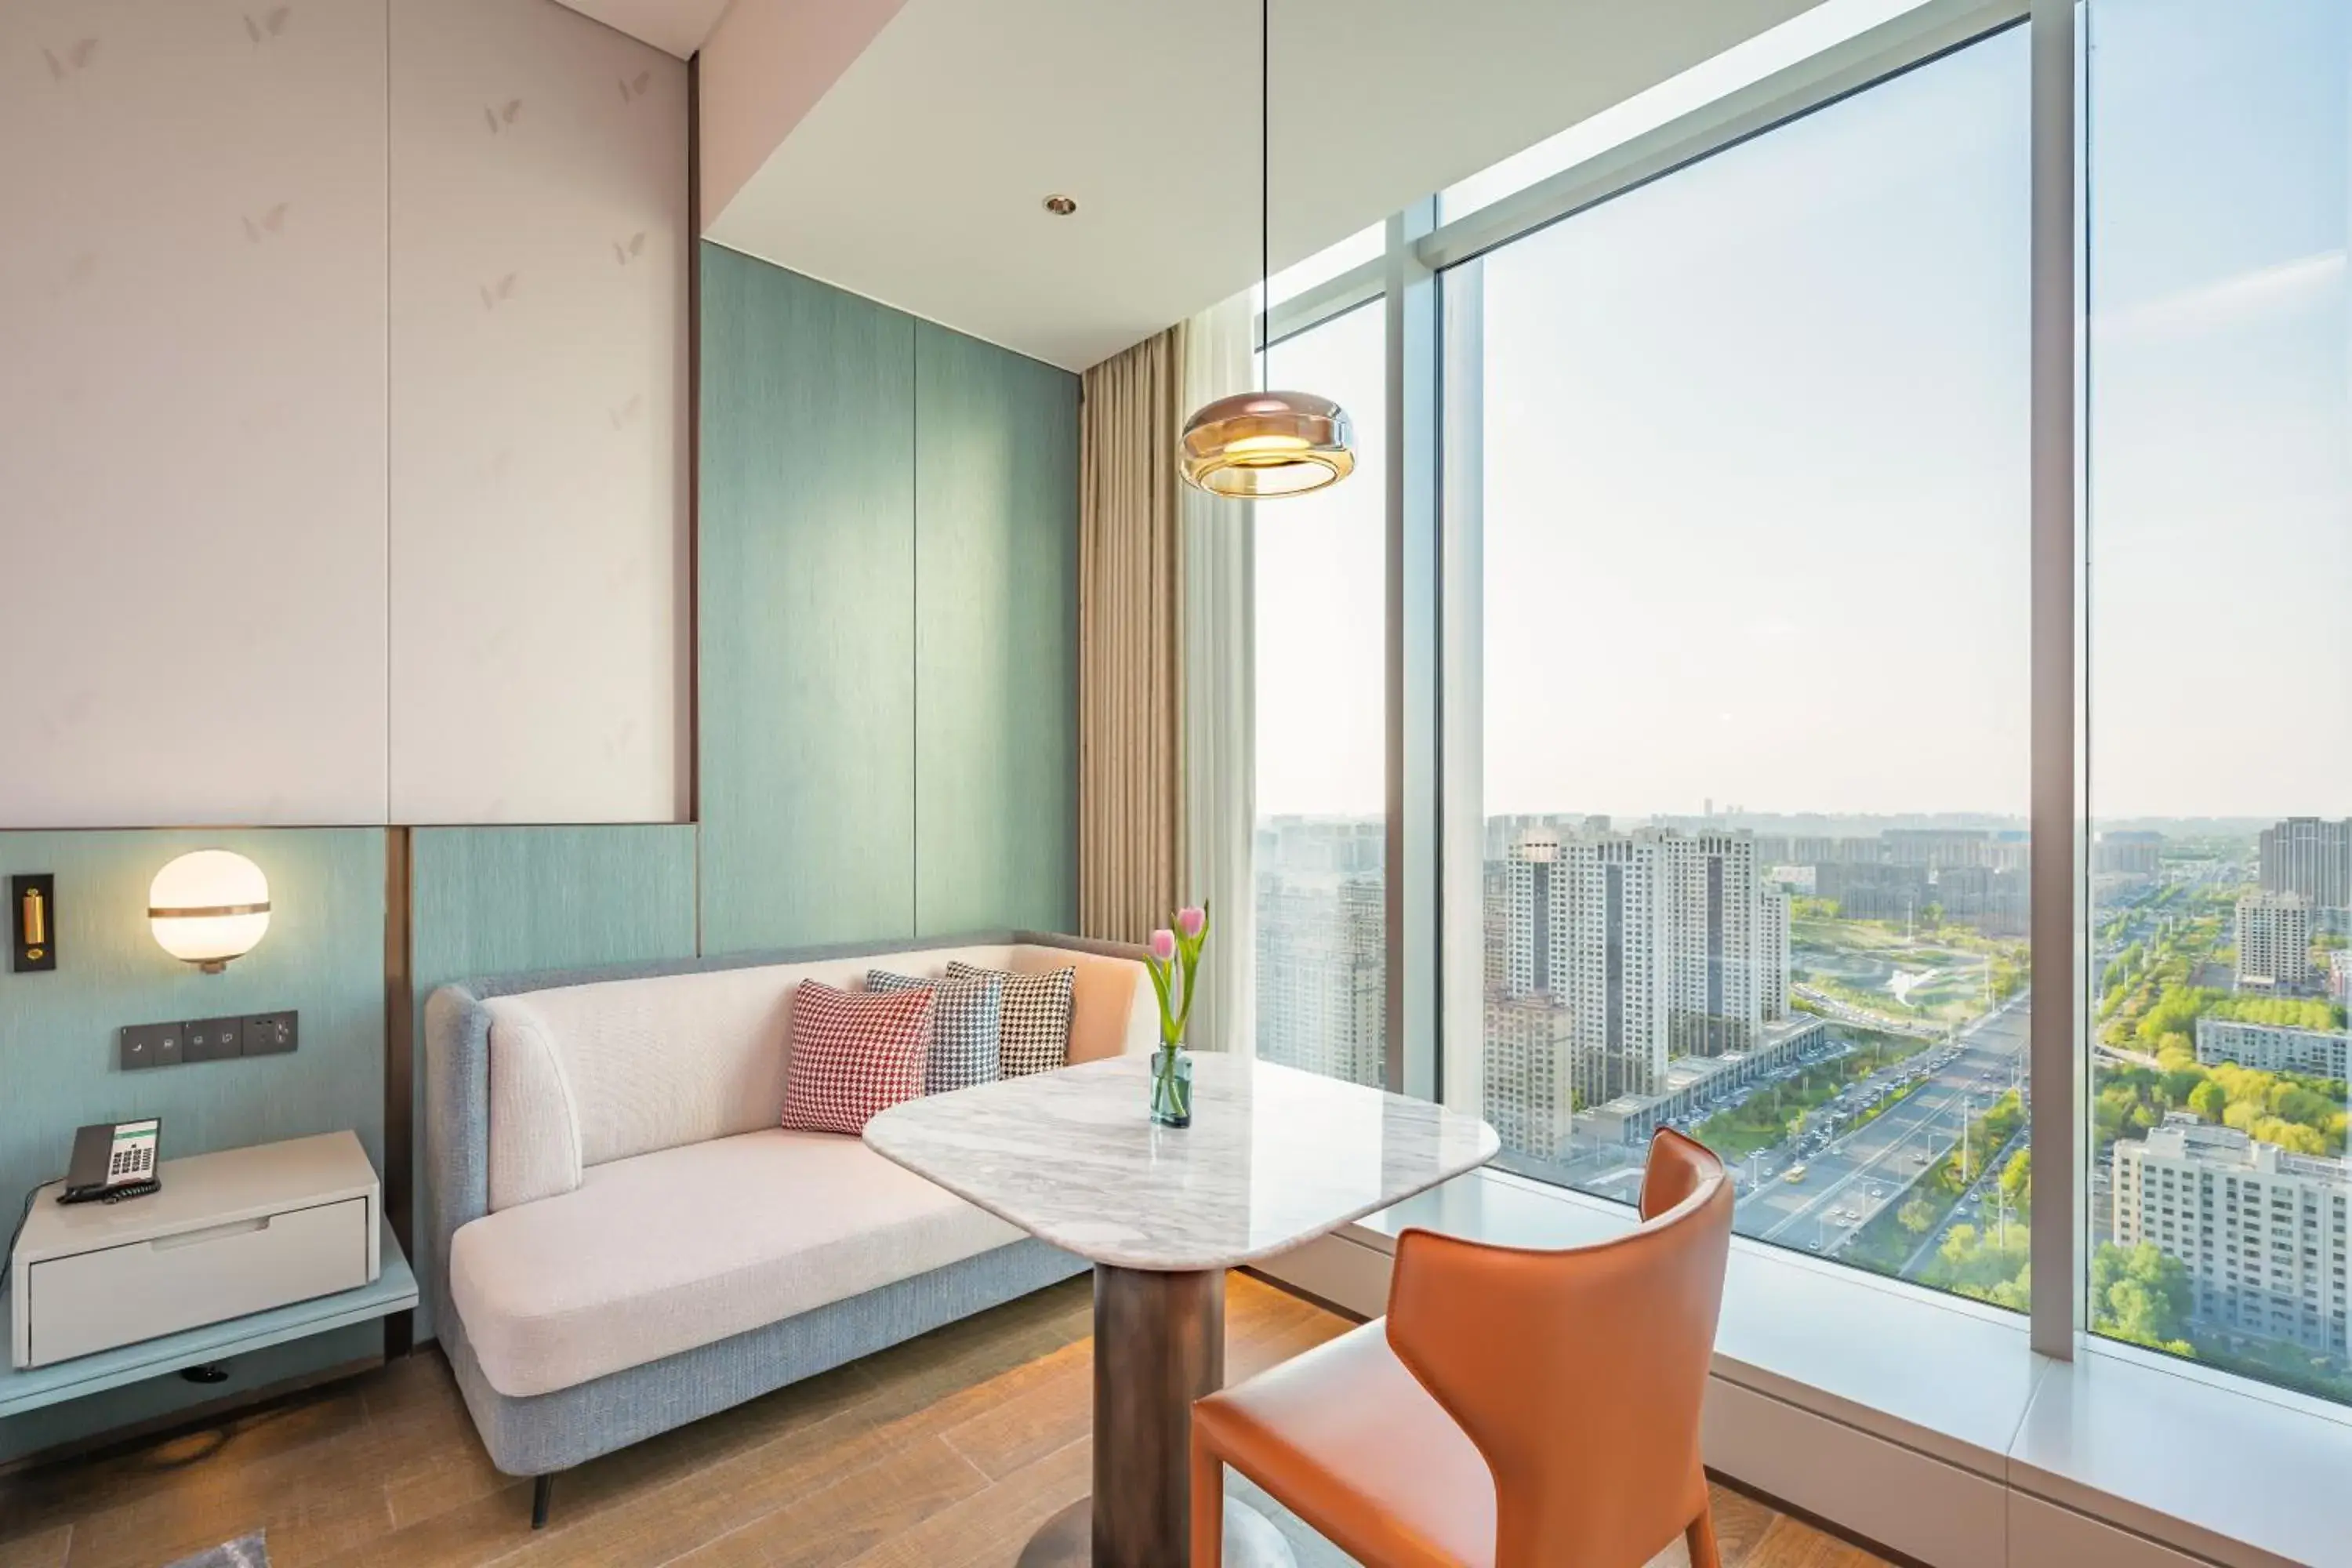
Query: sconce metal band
207, 912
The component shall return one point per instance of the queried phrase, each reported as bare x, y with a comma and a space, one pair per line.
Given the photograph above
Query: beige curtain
1220, 696
1131, 854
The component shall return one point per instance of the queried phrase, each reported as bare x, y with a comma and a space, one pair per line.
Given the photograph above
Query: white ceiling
918, 177
674, 26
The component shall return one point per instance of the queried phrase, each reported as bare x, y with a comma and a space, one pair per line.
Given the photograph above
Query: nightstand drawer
120, 1295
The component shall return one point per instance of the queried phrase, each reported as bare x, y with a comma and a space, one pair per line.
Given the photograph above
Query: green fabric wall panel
806, 614
996, 533
323, 957
509, 901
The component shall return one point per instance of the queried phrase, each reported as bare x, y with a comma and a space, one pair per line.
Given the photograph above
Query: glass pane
1743, 65
2218, 531
1322, 770
1756, 617
1326, 264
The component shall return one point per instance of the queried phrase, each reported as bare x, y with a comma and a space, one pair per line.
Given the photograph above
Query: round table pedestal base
1067, 1539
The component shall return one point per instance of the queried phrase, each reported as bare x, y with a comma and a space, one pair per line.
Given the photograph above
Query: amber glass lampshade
1259, 445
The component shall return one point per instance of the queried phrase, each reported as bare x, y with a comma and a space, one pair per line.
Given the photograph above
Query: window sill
2185, 1461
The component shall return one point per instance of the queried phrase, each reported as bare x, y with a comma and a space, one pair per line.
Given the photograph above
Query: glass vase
1172, 1086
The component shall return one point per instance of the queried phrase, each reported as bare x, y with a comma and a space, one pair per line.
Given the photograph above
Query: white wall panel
192, 412
343, 415
1930, 1512
539, 418
2043, 1535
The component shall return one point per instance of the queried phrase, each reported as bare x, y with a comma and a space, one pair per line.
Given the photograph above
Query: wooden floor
945, 1452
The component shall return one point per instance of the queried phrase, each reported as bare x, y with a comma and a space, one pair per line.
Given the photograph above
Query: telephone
114, 1162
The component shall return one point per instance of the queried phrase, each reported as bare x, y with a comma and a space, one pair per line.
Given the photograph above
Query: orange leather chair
1515, 1409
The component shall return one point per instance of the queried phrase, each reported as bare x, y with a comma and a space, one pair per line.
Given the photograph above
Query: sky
1756, 460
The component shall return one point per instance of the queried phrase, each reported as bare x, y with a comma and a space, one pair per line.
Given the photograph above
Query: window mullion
1411, 634
2058, 1211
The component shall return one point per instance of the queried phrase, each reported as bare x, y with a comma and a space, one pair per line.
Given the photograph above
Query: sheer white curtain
1220, 696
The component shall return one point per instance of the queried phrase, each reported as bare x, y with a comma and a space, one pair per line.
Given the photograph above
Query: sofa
619, 1238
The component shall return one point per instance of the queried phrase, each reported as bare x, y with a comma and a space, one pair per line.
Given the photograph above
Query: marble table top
1273, 1157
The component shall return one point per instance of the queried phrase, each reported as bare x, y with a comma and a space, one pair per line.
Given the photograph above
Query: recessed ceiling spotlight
1060, 205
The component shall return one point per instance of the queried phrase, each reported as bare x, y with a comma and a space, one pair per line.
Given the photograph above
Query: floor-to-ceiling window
1320, 577
2220, 548
1748, 617
1752, 449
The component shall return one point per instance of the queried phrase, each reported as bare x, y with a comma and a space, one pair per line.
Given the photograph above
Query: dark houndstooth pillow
1036, 1037
965, 1024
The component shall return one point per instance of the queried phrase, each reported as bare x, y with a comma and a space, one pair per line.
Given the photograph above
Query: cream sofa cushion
664, 1252
582, 1075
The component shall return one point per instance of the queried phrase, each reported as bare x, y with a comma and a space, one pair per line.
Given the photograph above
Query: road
1865, 1170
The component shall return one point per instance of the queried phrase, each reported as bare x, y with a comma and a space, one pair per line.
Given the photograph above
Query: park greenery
2148, 1008
1959, 1229
1950, 971
2302, 1115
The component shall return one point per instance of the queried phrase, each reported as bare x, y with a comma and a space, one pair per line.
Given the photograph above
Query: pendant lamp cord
1265, 195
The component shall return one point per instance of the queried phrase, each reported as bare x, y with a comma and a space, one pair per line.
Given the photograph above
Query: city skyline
1845, 1016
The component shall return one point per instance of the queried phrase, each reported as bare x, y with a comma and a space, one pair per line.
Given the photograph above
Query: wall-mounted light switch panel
147, 1045
208, 1039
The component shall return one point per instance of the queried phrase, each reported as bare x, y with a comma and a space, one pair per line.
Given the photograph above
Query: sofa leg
543, 1489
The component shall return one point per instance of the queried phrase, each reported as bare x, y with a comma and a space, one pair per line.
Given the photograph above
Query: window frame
1430, 282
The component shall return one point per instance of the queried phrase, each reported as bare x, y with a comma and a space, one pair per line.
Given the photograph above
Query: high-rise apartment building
2128, 853
1582, 918
1995, 900
2262, 1231
2311, 858
1322, 952
1603, 931
2274, 942
1866, 891
1641, 947
1711, 943
1527, 1089
1937, 848
1772, 954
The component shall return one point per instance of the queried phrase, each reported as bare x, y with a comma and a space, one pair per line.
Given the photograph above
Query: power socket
271, 1034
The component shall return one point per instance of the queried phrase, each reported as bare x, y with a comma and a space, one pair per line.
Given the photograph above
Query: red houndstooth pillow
854, 1055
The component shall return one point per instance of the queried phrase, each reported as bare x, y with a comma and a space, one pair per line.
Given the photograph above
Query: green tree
2142, 1295
1988, 1265
1917, 1217
2209, 1100
2016, 1179
2180, 1083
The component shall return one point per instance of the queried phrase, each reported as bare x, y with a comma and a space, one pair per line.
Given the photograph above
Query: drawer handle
216, 1233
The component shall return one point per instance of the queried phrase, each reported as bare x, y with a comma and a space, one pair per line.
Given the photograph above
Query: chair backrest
1579, 1373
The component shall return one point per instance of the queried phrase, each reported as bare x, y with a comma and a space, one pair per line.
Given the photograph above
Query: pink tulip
1163, 945
1190, 918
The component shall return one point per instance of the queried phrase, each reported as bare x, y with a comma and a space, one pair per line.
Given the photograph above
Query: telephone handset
114, 1162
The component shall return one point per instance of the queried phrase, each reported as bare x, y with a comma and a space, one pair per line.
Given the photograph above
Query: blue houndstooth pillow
967, 1026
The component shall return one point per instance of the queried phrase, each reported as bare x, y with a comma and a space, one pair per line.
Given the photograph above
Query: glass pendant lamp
1261, 445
